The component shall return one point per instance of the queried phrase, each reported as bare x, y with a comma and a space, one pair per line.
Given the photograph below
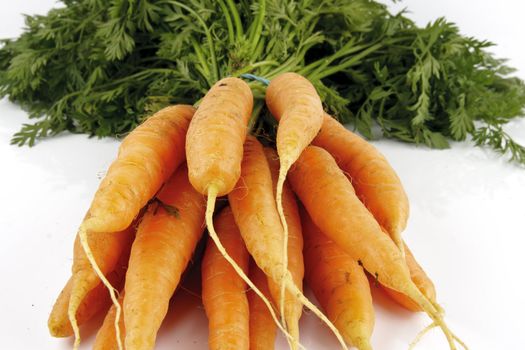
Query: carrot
262, 328
106, 338
374, 180
420, 279
107, 249
95, 301
146, 158
253, 205
293, 307
333, 206
214, 149
339, 284
223, 291
293, 101
166, 239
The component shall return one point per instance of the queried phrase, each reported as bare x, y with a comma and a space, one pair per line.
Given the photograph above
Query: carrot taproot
106, 338
107, 249
253, 206
223, 291
375, 181
292, 306
95, 301
166, 238
262, 327
340, 285
331, 202
146, 158
420, 279
214, 150
294, 102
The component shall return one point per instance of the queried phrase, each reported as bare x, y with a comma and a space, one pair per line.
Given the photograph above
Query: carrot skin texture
373, 178
320, 185
146, 159
106, 338
293, 101
95, 301
223, 291
339, 284
421, 280
293, 307
253, 206
216, 135
162, 249
263, 330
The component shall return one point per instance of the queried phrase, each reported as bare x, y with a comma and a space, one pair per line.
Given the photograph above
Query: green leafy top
100, 67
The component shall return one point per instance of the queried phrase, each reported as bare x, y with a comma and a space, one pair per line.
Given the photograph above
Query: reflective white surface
466, 224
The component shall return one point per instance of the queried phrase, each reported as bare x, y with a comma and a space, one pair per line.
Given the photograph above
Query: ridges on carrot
130, 183
214, 150
253, 205
294, 102
320, 184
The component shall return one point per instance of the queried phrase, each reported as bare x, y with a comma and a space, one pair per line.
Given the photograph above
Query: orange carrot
166, 239
333, 206
262, 328
293, 101
293, 307
216, 135
107, 248
223, 291
147, 157
253, 205
214, 148
339, 284
421, 280
106, 338
374, 180
95, 301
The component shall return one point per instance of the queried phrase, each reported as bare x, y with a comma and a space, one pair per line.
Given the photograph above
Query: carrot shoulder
166, 239
223, 291
373, 178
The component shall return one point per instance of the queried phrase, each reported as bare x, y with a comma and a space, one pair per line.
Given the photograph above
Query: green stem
229, 24
200, 57
236, 19
253, 66
208, 36
256, 34
348, 63
257, 107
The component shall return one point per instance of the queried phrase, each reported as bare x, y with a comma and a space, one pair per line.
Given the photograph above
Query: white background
466, 226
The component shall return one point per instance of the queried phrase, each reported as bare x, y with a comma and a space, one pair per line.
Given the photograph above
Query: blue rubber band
255, 77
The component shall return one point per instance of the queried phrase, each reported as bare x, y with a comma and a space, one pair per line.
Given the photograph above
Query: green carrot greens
99, 67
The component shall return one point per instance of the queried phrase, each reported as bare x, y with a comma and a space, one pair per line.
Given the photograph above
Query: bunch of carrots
322, 205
